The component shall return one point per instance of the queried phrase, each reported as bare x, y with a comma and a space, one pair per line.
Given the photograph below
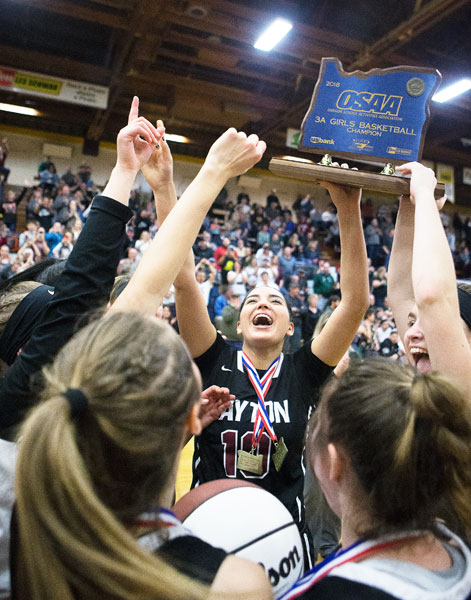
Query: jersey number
229, 441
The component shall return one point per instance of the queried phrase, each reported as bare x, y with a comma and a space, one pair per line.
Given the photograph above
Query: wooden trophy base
374, 182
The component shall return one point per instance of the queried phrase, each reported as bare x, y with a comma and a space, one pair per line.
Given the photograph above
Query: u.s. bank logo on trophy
379, 116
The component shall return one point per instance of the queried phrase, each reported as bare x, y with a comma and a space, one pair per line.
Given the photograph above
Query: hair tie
77, 400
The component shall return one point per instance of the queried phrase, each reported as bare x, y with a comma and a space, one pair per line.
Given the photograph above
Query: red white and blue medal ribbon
157, 526
261, 387
358, 550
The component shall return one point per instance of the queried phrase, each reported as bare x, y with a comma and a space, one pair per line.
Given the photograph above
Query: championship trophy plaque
379, 117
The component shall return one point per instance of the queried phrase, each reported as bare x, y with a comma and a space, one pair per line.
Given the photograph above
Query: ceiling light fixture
21, 110
273, 34
455, 89
180, 139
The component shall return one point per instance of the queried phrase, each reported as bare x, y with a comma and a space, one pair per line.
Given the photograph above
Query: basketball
244, 519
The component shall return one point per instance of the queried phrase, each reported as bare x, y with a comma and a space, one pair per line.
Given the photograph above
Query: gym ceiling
193, 64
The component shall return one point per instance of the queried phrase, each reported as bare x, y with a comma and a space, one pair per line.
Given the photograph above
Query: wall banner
65, 90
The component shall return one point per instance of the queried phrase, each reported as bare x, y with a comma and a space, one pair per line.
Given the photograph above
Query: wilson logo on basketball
286, 566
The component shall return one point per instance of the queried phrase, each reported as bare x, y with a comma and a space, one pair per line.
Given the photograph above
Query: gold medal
280, 454
249, 461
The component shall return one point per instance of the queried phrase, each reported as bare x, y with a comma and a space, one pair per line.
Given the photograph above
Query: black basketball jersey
290, 399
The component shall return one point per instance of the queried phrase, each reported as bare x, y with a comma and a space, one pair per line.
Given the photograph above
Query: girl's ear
193, 422
337, 462
290, 331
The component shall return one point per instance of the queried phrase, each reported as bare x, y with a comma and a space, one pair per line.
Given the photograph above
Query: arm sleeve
210, 360
84, 285
194, 557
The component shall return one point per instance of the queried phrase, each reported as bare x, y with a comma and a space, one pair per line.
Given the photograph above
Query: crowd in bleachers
240, 246
53, 209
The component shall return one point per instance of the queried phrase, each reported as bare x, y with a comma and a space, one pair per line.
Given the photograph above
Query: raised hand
235, 153
214, 401
341, 194
137, 140
422, 180
158, 170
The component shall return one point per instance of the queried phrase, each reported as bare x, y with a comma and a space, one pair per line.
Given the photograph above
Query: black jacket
84, 285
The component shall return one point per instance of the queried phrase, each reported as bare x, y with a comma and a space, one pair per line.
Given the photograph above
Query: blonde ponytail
72, 543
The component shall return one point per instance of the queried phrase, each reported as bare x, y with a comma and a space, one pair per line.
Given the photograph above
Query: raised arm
193, 319
232, 154
135, 144
434, 281
400, 290
159, 175
87, 279
158, 172
337, 335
